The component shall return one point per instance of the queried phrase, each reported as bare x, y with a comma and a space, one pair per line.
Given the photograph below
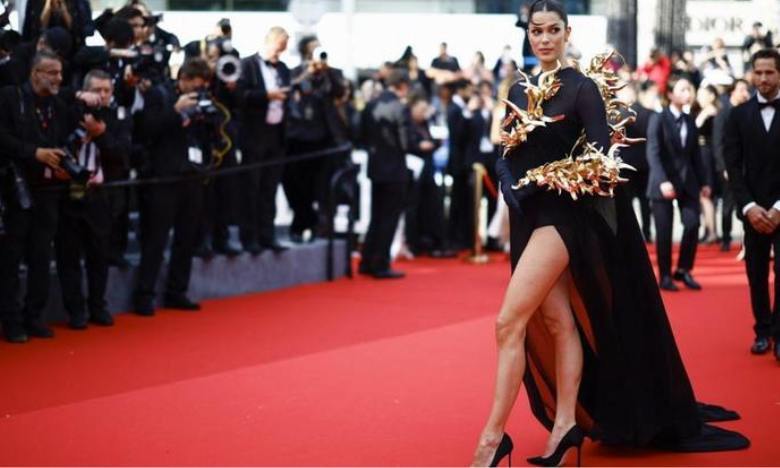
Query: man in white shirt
262, 91
752, 139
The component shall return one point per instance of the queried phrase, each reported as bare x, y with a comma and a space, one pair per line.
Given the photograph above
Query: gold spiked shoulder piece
519, 123
592, 172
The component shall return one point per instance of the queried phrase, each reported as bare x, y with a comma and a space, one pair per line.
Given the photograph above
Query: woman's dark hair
548, 5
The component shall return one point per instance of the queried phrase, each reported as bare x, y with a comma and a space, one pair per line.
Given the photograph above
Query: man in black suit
752, 138
636, 154
35, 124
463, 120
261, 93
179, 143
739, 92
676, 173
386, 133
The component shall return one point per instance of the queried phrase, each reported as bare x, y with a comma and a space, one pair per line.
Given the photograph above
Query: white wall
375, 38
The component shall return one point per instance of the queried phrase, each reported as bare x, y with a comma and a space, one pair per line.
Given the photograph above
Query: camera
78, 173
205, 107
18, 188
149, 62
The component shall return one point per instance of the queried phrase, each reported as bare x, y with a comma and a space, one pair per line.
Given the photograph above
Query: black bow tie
774, 103
272, 64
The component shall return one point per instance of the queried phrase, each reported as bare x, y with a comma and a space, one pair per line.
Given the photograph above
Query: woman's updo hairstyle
551, 6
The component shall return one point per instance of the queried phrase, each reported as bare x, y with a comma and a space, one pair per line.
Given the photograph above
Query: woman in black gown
582, 323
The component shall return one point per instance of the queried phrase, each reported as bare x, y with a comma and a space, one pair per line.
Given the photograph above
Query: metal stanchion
477, 256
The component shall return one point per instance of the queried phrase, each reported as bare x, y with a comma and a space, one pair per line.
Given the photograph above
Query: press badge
196, 155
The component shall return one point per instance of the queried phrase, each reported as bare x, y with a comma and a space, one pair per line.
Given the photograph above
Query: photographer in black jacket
312, 125
179, 138
85, 217
34, 127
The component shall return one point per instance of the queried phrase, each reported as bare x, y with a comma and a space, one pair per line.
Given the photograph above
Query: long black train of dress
635, 390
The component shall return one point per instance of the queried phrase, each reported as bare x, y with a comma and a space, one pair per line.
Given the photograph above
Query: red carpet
351, 373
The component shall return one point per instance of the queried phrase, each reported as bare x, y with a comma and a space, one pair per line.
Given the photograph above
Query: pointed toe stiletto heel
504, 449
573, 439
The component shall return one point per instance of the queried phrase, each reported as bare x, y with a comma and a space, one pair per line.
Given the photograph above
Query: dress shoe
180, 303
296, 238
687, 279
78, 322
777, 350
388, 274
204, 252
253, 248
37, 329
760, 345
274, 246
103, 319
14, 333
725, 247
667, 284
226, 249
443, 253
493, 245
144, 308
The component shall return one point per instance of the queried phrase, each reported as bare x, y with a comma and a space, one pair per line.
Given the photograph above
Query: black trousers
757, 255
259, 186
387, 204
29, 233
178, 206
84, 231
425, 212
663, 212
727, 211
118, 201
637, 188
301, 182
460, 231
219, 205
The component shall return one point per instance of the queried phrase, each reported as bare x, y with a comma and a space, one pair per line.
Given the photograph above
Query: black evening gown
635, 390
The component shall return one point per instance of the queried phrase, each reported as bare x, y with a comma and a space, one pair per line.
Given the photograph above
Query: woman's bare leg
708, 210
559, 320
537, 271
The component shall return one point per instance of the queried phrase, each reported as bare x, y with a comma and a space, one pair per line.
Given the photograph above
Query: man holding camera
179, 143
262, 92
34, 127
313, 124
85, 221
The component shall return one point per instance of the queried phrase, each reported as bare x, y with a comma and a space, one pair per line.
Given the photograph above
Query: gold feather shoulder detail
519, 123
592, 172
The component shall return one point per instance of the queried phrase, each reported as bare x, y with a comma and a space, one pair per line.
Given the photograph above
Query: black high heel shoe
504, 449
573, 439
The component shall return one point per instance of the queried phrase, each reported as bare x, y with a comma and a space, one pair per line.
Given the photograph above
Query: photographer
313, 124
115, 58
85, 218
179, 139
221, 192
34, 127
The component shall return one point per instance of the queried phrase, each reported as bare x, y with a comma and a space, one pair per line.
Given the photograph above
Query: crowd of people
78, 120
